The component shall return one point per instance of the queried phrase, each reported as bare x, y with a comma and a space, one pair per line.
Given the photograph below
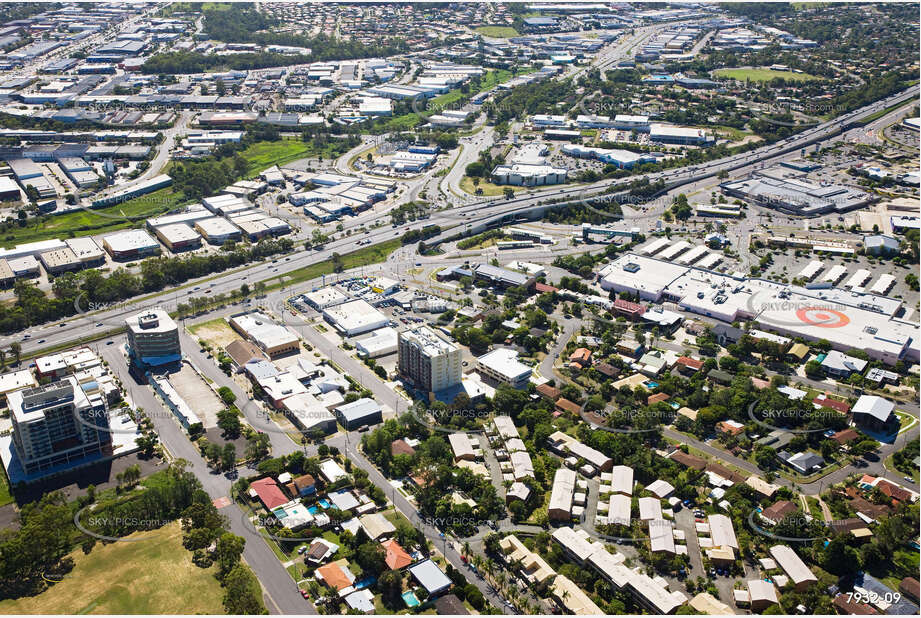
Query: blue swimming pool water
313, 510
409, 597
324, 503
365, 583
651, 384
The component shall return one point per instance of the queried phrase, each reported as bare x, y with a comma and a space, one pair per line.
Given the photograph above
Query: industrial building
59, 261
130, 245
274, 339
178, 237
670, 134
218, 230
355, 317
153, 339
359, 413
623, 159
427, 361
381, 342
795, 195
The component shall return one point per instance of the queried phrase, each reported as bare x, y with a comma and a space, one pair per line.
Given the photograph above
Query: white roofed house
787, 559
462, 446
660, 488
564, 485
622, 480
661, 536
874, 412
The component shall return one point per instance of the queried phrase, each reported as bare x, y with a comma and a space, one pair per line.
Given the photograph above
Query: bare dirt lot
197, 394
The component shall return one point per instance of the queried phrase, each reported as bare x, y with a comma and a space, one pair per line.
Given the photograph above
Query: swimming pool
313, 510
409, 597
651, 384
324, 503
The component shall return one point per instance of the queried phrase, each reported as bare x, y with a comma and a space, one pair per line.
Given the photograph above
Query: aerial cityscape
456, 308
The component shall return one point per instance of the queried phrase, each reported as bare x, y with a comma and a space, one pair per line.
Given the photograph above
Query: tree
813, 369
228, 550
242, 593
508, 193
229, 423
257, 447
391, 587
227, 395
371, 558
16, 349
229, 456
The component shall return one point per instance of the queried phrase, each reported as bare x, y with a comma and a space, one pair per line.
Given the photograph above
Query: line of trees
90, 290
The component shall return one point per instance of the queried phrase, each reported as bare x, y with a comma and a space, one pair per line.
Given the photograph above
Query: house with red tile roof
581, 358
824, 401
336, 574
686, 364
396, 557
268, 492
543, 287
629, 309
656, 398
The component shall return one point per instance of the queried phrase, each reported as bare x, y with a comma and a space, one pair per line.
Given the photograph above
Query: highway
475, 215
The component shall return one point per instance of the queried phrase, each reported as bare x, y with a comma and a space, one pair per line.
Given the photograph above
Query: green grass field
466, 184
373, 254
153, 576
5, 496
97, 221
262, 155
497, 32
763, 75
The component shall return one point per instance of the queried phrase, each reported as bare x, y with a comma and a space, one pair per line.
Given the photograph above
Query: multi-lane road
472, 216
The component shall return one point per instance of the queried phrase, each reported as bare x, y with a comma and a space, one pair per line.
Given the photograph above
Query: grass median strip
374, 254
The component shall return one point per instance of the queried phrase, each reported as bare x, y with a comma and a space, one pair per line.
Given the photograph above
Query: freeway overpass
473, 217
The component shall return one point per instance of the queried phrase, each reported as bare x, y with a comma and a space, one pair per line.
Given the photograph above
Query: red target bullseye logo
822, 317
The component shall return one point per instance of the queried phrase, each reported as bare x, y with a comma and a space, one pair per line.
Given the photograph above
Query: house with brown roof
305, 485
243, 351
777, 511
760, 384
400, 447
724, 472
548, 392
607, 369
565, 405
899, 494
686, 459
909, 587
449, 604
656, 398
846, 435
543, 287
862, 505
849, 607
